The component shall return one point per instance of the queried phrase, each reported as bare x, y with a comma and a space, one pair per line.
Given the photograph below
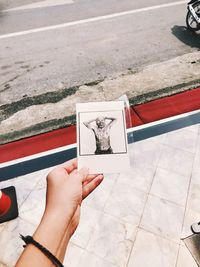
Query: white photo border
108, 163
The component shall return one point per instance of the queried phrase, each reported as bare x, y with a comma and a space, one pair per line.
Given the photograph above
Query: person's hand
66, 188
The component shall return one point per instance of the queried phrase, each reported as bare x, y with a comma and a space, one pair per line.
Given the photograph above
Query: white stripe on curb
64, 148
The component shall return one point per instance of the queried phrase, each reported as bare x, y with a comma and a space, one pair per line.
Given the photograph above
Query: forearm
49, 234
110, 118
68, 234
60, 254
87, 123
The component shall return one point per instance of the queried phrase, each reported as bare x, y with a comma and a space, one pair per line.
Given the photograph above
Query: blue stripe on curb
47, 161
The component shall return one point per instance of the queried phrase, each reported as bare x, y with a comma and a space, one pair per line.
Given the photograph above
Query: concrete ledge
45, 112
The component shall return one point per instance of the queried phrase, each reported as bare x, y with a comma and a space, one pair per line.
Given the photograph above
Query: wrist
51, 230
57, 217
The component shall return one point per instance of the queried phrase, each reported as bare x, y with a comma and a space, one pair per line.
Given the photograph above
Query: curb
55, 124
140, 114
43, 113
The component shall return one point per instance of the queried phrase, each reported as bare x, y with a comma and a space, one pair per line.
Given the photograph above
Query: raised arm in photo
111, 121
88, 124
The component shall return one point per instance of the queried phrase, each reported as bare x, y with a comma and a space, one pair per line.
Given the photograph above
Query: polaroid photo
101, 137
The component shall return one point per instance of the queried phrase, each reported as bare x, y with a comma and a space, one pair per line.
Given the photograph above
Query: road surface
50, 45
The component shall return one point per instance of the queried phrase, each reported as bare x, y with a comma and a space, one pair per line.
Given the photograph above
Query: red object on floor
140, 114
5, 203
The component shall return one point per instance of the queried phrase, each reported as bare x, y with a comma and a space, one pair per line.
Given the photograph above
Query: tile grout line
186, 204
174, 172
24, 200
147, 197
115, 181
160, 236
167, 200
180, 149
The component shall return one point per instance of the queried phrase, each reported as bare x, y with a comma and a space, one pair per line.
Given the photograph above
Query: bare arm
66, 188
111, 121
88, 124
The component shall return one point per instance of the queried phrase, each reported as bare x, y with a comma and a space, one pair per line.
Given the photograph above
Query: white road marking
89, 20
45, 3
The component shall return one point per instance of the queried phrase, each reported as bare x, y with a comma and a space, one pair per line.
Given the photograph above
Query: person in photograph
101, 127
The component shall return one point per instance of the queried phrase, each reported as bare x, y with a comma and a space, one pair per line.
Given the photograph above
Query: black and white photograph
101, 135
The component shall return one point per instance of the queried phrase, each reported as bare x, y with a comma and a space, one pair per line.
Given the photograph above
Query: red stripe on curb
169, 106
140, 114
136, 120
37, 144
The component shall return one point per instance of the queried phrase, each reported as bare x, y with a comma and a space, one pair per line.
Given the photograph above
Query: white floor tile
140, 176
196, 166
126, 203
194, 192
33, 207
24, 185
11, 245
176, 160
73, 256
88, 221
170, 186
194, 128
163, 218
112, 240
152, 251
2, 226
183, 139
145, 151
185, 258
158, 138
98, 198
91, 260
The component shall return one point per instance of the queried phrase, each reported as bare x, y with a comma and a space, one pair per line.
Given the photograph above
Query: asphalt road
102, 42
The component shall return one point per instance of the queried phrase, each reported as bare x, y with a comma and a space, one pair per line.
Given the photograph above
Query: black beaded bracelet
29, 240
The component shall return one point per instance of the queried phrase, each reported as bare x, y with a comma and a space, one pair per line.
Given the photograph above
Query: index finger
70, 165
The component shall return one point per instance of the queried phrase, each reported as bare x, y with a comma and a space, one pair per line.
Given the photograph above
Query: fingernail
101, 176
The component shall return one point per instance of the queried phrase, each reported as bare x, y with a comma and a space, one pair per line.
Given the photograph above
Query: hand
66, 189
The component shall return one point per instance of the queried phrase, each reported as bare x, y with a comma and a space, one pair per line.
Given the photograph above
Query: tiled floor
134, 219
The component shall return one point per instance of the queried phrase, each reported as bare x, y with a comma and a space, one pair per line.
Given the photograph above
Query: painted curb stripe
134, 135
140, 114
36, 164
